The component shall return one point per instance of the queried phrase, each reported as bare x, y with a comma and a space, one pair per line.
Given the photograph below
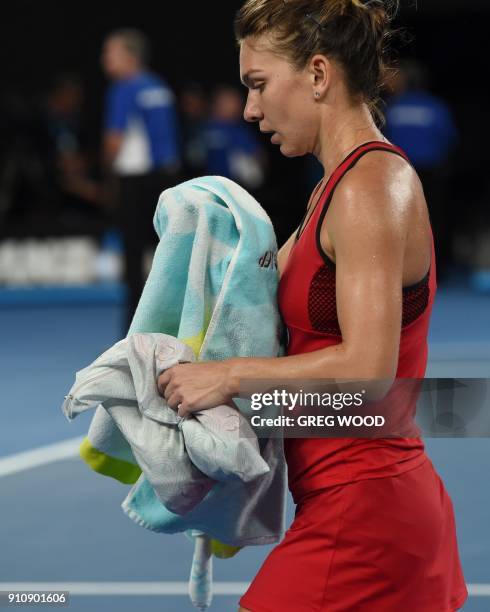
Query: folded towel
212, 285
181, 458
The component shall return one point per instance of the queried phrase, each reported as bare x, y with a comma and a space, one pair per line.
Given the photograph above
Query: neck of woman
342, 131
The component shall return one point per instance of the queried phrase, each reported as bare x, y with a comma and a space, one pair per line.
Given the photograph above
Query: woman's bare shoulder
379, 211
381, 188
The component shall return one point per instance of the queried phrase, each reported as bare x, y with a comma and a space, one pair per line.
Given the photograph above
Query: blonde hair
354, 33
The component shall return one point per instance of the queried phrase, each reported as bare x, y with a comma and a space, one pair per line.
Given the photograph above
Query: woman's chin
289, 151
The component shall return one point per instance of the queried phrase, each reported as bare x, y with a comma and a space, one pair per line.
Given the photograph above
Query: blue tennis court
62, 527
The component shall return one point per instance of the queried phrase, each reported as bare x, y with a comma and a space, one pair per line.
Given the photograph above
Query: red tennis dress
374, 529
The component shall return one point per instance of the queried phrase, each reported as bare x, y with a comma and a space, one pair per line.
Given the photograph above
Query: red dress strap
345, 165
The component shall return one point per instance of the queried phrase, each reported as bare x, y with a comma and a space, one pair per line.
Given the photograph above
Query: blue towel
213, 285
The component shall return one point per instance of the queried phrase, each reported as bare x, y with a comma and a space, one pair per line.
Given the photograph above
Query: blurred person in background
71, 166
140, 146
62, 114
232, 149
422, 125
193, 107
48, 179
29, 193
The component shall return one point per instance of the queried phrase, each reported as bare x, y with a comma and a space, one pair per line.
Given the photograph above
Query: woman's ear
320, 70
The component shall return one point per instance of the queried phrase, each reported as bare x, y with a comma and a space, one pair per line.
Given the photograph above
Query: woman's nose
252, 111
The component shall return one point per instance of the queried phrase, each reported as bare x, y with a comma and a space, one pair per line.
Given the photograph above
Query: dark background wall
194, 41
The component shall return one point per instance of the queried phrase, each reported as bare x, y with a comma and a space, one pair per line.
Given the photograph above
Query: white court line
69, 449
158, 588
479, 590
123, 588
40, 456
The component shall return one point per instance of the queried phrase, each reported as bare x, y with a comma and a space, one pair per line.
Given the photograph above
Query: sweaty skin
376, 230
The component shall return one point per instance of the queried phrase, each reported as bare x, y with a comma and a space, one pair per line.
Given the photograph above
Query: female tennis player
374, 529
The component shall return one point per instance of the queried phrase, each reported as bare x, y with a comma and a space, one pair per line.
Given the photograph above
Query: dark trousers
138, 198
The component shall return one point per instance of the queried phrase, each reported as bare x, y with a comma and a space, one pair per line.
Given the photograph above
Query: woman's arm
367, 227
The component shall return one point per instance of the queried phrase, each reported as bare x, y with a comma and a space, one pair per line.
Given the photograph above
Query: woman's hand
191, 387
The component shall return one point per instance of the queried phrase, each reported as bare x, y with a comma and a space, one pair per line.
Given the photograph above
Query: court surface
61, 524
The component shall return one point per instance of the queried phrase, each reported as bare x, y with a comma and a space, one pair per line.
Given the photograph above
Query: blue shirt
223, 141
142, 108
422, 125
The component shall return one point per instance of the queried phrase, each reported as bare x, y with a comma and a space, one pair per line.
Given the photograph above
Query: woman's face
280, 98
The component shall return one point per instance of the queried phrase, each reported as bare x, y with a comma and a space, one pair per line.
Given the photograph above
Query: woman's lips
274, 138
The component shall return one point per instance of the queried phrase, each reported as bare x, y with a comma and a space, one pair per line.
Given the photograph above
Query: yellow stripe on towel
121, 470
223, 551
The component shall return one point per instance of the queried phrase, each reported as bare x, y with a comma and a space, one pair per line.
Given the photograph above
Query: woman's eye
259, 86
